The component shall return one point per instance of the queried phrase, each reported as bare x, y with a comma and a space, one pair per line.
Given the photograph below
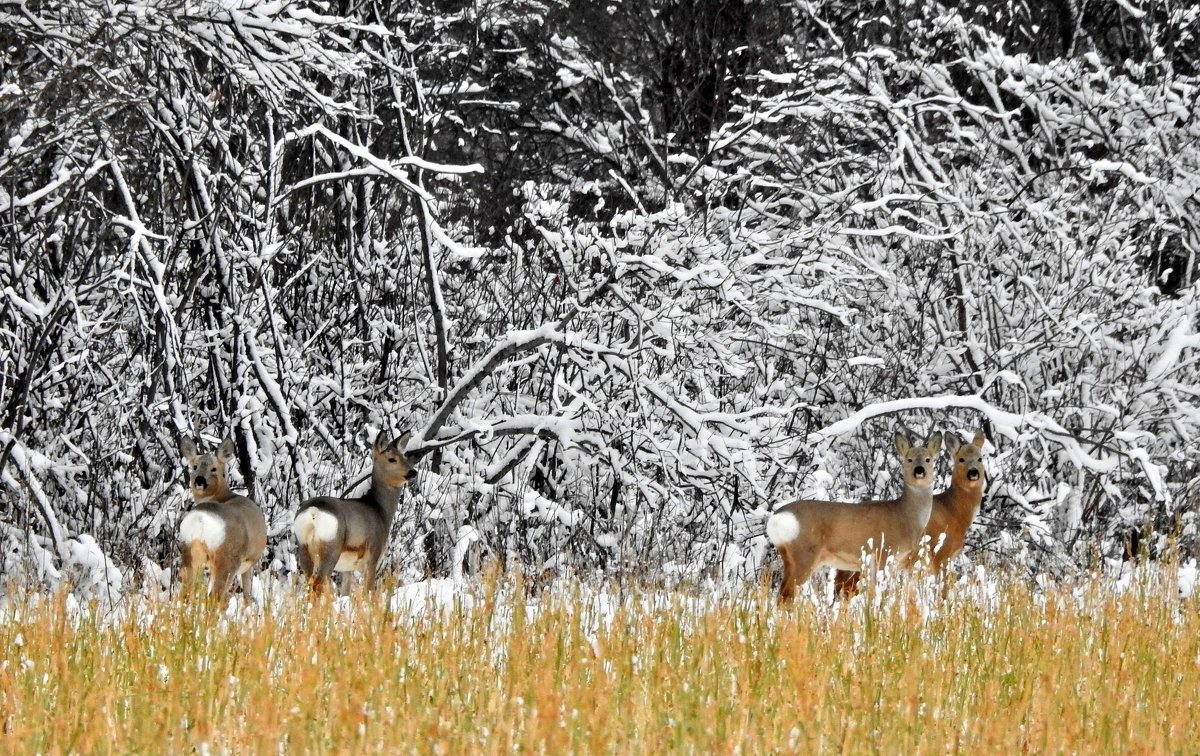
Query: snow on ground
439, 594
95, 586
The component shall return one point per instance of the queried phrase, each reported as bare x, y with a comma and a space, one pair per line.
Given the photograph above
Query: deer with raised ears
350, 535
953, 509
956, 508
811, 534
224, 533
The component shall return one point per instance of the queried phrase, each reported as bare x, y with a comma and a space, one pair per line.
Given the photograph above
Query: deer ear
226, 450
933, 444
903, 445
401, 443
979, 440
187, 447
953, 442
381, 443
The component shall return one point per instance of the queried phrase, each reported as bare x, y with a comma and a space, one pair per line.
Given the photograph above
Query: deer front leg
845, 584
248, 585
371, 571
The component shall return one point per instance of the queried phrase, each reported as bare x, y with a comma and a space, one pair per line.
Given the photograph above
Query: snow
626, 347
439, 595
1181, 338
95, 574
1187, 576
1003, 421
463, 539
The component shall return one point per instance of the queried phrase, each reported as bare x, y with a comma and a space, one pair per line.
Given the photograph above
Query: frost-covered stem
14, 417
433, 286
515, 457
154, 274
436, 306
45, 508
520, 342
517, 343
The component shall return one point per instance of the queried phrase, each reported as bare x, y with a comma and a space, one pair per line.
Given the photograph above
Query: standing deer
953, 510
811, 534
224, 532
349, 535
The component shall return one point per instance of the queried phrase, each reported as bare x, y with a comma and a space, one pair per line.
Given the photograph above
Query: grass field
1094, 668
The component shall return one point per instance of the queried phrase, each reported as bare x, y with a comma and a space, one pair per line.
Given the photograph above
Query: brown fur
837, 533
951, 516
245, 538
363, 524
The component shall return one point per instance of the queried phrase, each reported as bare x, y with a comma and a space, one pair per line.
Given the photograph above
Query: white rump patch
202, 526
313, 525
782, 527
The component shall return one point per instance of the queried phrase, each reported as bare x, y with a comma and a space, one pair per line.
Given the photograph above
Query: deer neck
384, 496
219, 493
917, 501
963, 497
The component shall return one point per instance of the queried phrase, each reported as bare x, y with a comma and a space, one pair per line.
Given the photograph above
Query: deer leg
248, 584
223, 570
798, 562
327, 559
186, 571
371, 571
305, 559
191, 574
845, 584
787, 588
938, 567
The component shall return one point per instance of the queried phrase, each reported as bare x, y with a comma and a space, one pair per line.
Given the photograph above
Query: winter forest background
634, 273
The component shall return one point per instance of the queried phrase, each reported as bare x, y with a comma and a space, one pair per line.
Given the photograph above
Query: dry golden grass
1088, 669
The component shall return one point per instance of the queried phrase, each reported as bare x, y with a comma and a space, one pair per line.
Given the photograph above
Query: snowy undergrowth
94, 588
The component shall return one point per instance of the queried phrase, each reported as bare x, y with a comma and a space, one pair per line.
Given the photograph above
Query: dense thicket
634, 272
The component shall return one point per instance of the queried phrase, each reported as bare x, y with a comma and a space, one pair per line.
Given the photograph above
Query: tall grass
1089, 668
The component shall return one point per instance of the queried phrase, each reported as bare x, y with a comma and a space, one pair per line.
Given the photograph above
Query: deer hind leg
306, 561
195, 556
186, 571
223, 572
798, 562
309, 557
937, 567
326, 559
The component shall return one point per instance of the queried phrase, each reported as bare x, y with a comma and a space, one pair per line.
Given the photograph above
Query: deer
349, 535
224, 532
953, 511
811, 534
